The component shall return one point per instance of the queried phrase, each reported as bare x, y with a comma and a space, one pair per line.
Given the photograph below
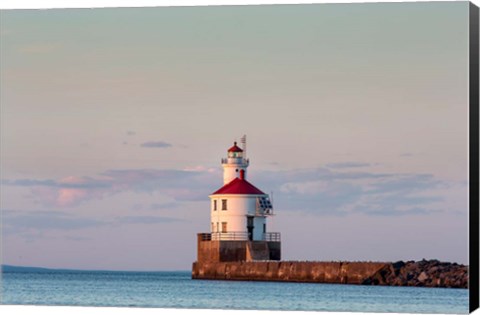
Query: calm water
177, 290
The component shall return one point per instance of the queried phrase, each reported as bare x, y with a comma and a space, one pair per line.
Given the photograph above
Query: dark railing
237, 236
244, 161
205, 236
230, 236
271, 237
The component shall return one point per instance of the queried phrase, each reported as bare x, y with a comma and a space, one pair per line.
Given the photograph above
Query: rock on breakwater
425, 273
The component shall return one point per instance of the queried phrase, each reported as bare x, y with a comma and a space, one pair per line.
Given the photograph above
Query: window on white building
214, 205
224, 204
224, 227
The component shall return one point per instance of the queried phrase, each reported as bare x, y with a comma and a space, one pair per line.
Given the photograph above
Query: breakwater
425, 273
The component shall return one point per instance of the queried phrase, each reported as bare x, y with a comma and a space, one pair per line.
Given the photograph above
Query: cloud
155, 206
323, 197
321, 191
200, 168
67, 182
347, 165
387, 211
146, 220
130, 133
324, 191
277, 178
26, 222
161, 206
29, 182
156, 144
181, 185
68, 191
404, 183
22, 221
70, 196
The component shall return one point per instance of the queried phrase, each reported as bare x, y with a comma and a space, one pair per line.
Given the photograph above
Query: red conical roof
239, 187
235, 148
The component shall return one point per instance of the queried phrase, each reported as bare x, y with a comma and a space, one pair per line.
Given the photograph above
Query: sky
114, 121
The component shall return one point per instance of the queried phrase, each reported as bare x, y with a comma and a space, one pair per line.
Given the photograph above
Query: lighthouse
238, 217
235, 162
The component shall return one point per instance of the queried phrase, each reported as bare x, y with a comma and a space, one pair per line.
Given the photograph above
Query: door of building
250, 228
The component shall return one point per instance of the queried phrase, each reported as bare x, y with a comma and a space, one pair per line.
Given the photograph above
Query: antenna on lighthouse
243, 141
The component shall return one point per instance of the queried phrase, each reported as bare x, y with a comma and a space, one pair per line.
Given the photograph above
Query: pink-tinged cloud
320, 191
68, 191
68, 197
180, 185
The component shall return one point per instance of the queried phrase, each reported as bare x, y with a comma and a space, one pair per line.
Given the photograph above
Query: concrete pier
423, 273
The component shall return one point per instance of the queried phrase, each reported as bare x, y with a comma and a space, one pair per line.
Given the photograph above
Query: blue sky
114, 122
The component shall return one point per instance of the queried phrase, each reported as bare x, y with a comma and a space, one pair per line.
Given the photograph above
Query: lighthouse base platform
211, 251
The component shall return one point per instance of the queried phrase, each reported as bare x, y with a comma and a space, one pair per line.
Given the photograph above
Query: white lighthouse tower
239, 210
238, 218
235, 162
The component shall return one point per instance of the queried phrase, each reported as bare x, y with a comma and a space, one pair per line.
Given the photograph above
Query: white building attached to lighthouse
238, 212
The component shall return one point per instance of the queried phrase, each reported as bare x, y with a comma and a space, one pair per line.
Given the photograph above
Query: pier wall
293, 271
423, 273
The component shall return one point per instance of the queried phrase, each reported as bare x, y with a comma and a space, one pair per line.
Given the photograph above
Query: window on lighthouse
235, 154
224, 204
214, 205
224, 227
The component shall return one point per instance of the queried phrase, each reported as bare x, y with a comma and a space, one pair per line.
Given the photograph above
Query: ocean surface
178, 290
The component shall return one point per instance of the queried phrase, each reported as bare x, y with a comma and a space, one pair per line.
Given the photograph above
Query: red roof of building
235, 148
239, 187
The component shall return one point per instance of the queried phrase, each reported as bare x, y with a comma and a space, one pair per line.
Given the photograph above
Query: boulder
422, 277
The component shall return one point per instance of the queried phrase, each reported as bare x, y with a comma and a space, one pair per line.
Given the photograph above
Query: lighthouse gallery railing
244, 161
237, 236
